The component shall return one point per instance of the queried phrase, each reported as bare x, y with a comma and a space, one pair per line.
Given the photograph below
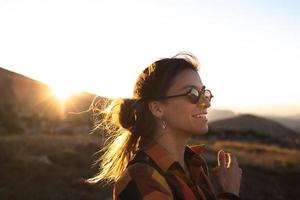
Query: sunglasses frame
188, 93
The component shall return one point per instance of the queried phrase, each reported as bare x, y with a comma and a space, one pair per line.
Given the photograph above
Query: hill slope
27, 104
244, 123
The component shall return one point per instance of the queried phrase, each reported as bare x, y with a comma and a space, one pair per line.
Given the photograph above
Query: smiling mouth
201, 116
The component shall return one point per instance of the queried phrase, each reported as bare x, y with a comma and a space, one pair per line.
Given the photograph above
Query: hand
228, 174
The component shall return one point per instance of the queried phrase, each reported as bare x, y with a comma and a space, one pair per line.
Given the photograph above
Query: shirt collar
164, 159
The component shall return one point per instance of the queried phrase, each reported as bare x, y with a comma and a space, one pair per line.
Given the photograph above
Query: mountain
218, 114
252, 123
293, 122
27, 105
20, 92
22, 98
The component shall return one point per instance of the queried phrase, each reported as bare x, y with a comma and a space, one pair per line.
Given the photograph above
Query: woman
147, 156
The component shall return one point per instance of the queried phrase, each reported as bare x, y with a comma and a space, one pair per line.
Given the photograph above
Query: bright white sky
249, 50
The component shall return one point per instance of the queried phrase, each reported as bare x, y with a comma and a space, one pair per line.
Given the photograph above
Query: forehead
185, 78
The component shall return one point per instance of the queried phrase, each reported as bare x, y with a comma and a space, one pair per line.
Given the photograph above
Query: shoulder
141, 181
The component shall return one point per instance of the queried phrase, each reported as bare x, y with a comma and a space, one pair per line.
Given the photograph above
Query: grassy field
269, 171
44, 166
49, 167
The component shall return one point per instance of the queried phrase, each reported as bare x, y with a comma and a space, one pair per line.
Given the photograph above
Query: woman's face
180, 114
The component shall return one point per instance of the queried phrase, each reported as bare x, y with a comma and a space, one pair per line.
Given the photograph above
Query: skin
181, 125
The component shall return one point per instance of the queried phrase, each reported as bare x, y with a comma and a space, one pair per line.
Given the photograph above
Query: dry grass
269, 170
256, 154
45, 166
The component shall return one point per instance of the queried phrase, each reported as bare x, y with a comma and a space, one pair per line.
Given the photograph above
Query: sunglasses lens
194, 96
207, 95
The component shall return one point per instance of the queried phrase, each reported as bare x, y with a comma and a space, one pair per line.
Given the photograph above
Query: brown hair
129, 121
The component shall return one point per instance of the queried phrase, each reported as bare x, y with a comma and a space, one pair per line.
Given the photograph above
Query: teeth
200, 116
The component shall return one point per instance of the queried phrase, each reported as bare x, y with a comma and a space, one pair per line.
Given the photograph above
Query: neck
174, 143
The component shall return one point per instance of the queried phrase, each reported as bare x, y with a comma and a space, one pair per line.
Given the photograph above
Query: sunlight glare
62, 93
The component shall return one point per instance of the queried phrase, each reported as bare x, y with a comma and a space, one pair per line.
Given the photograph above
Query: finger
227, 157
228, 160
234, 160
222, 159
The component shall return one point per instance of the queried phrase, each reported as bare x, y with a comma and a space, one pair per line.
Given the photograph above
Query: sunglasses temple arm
167, 97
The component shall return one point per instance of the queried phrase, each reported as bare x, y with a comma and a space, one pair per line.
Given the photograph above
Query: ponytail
118, 121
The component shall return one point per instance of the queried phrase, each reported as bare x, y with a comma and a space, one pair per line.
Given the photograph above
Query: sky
249, 51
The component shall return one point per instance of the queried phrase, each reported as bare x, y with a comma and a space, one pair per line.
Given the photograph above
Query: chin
202, 131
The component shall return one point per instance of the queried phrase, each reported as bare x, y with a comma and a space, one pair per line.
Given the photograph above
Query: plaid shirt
141, 181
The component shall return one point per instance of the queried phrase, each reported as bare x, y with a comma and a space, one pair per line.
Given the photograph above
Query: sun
61, 92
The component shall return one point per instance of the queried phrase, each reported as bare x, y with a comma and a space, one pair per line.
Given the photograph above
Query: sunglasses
194, 95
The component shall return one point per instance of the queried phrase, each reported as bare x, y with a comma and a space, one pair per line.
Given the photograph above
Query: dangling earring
164, 124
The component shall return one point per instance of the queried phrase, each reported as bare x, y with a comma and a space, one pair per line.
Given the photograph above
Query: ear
156, 108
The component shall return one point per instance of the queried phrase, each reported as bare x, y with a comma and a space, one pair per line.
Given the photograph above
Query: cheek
180, 117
